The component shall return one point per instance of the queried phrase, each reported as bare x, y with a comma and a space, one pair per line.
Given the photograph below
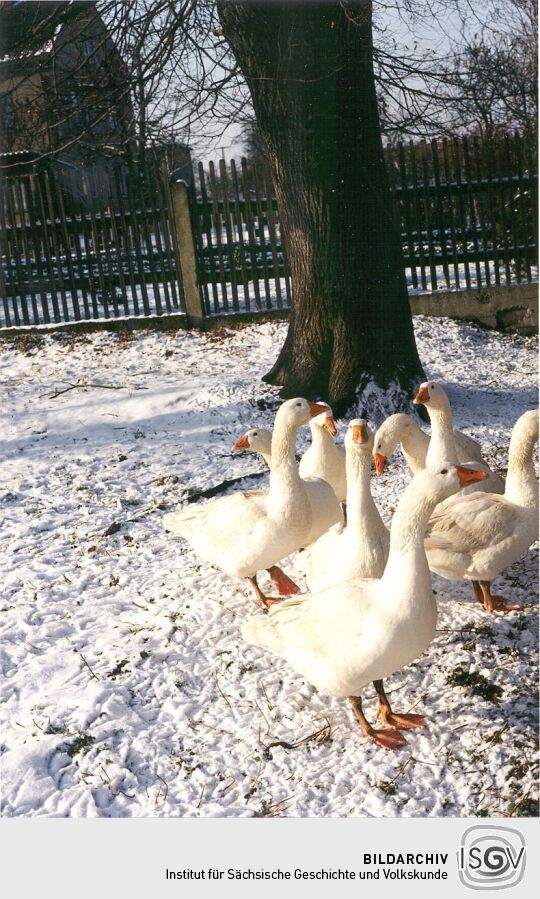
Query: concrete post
185, 251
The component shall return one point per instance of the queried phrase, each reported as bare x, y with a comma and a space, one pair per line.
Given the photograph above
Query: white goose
402, 428
475, 537
252, 530
442, 446
360, 548
324, 458
259, 440
256, 440
343, 638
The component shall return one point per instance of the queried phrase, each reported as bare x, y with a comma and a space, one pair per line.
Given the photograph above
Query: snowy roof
34, 23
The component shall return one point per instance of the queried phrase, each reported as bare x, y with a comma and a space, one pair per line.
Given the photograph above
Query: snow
127, 690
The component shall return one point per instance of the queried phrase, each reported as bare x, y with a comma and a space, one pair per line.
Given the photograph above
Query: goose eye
444, 471
255, 434
299, 404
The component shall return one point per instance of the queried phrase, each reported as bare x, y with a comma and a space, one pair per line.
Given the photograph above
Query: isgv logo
491, 858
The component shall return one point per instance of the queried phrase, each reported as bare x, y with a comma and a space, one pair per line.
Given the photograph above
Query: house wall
74, 86
23, 114
92, 86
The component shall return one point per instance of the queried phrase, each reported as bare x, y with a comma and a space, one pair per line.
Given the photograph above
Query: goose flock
370, 609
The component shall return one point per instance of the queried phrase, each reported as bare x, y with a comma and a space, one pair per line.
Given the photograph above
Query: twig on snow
32, 645
494, 736
274, 809
201, 797
399, 772
228, 786
265, 718
158, 795
319, 736
88, 666
516, 805
221, 693
193, 723
268, 703
84, 384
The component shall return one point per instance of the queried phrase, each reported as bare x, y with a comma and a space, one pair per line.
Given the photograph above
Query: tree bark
309, 69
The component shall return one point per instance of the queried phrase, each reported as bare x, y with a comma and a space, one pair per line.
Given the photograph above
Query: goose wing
467, 448
315, 625
233, 514
472, 523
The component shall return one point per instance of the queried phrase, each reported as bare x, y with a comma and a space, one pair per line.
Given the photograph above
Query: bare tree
492, 78
310, 73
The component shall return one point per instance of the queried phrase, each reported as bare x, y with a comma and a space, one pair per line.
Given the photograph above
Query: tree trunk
310, 73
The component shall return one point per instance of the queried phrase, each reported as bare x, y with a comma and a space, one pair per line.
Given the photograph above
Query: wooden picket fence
108, 251
240, 254
467, 212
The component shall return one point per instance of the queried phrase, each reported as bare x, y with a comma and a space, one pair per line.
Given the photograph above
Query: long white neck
414, 443
521, 485
360, 504
321, 439
284, 477
442, 446
408, 530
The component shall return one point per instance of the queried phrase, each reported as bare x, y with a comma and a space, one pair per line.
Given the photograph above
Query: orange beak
317, 409
380, 462
422, 396
359, 434
469, 475
330, 425
241, 444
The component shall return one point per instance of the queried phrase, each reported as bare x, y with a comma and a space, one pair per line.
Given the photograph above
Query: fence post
185, 251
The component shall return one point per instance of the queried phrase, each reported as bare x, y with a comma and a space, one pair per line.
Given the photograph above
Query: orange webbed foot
500, 604
282, 582
407, 722
388, 739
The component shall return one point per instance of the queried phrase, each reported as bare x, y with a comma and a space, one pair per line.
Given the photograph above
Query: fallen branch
220, 488
116, 526
147, 511
84, 384
319, 736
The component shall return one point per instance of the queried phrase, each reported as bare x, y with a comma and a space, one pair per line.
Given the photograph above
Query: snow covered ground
127, 690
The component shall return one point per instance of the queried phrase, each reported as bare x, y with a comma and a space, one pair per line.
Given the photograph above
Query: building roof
27, 29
